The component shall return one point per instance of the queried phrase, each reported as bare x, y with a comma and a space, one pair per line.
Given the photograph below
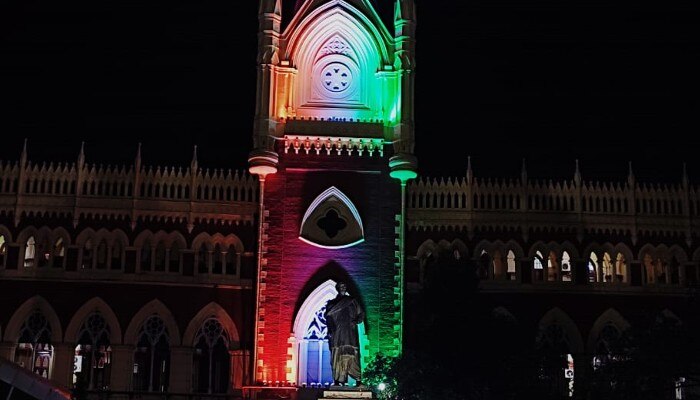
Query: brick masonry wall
294, 268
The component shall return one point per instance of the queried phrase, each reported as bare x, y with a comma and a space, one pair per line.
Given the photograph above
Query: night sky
500, 80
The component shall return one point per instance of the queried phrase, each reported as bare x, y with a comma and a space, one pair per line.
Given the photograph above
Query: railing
634, 207
82, 190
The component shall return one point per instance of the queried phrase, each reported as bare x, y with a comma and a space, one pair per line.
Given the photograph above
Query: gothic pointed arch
565, 326
95, 304
154, 307
307, 314
609, 317
14, 325
337, 50
332, 221
211, 310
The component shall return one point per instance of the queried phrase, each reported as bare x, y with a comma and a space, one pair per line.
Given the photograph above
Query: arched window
174, 258
43, 251
30, 252
146, 256
566, 274
538, 267
160, 256
552, 267
649, 273
152, 357
218, 260
93, 354
499, 272
620, 268
607, 268
511, 266
673, 268
117, 250
101, 256
203, 259
88, 252
484, 265
59, 253
211, 358
606, 346
34, 350
556, 362
593, 275
232, 261
3, 250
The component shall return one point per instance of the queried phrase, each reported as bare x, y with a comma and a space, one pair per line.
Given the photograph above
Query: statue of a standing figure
343, 314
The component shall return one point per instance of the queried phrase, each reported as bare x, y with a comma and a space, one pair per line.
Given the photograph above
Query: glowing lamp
403, 167
381, 386
263, 162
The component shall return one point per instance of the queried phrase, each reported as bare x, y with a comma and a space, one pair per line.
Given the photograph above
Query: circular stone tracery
336, 77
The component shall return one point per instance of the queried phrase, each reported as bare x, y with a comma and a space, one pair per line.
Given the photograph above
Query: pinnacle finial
577, 173
23, 156
81, 155
194, 157
630, 175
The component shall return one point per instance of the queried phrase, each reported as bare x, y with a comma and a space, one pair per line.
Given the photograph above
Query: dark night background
549, 80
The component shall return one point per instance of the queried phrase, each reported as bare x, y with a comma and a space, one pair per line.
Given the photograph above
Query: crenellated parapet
526, 205
129, 193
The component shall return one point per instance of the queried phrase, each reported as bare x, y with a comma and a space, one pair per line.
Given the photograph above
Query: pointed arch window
93, 354
101, 255
607, 268
160, 257
232, 260
620, 268
34, 349
218, 262
593, 268
332, 221
538, 267
566, 272
117, 254
3, 250
146, 259
174, 258
152, 357
30, 252
552, 267
211, 358
511, 266
484, 263
43, 253
203, 259
59, 253
88, 253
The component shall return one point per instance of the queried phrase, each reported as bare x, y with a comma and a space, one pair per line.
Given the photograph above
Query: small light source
381, 386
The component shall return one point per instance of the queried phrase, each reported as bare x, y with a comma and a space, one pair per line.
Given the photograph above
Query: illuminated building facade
148, 279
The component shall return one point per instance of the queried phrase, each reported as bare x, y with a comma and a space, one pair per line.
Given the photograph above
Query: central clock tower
333, 139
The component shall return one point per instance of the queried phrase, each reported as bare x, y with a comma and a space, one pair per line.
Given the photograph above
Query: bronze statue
343, 314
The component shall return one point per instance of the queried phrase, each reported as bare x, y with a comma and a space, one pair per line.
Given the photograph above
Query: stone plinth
342, 393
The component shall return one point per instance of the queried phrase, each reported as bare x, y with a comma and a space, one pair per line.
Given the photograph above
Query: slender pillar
181, 369
63, 358
122, 367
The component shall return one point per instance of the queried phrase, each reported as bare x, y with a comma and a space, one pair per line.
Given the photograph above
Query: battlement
151, 192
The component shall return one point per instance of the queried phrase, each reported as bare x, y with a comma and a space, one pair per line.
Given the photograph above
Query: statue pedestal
345, 392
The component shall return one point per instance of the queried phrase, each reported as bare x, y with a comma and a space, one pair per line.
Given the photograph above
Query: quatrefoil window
332, 221
336, 77
332, 224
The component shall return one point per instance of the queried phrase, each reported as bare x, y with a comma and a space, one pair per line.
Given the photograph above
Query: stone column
63, 360
7, 350
583, 369
122, 367
180, 369
240, 359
